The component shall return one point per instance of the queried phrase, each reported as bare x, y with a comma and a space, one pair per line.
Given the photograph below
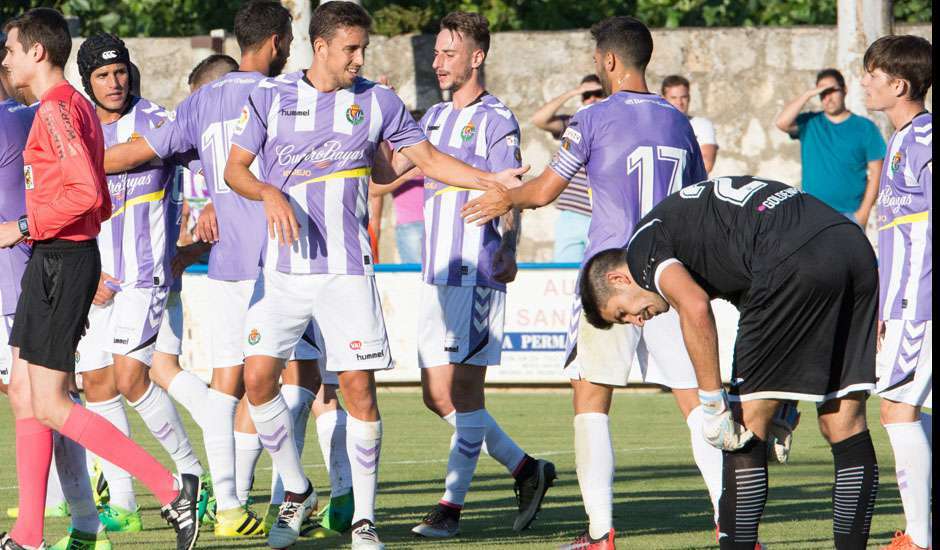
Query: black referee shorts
807, 326
58, 286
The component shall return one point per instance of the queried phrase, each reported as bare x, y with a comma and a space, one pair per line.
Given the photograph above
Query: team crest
28, 176
896, 162
354, 114
254, 336
467, 133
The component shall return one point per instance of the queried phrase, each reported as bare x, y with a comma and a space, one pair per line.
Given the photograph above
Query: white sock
707, 458
163, 421
464, 454
70, 467
500, 446
331, 434
120, 486
912, 464
191, 392
247, 452
298, 401
364, 445
219, 437
926, 420
276, 432
594, 460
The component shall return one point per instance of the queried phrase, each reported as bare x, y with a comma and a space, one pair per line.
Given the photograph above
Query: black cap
100, 50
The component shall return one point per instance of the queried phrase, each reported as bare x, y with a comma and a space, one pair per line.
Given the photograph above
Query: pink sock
33, 457
99, 436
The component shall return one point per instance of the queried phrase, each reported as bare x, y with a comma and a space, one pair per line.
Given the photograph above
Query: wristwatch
23, 225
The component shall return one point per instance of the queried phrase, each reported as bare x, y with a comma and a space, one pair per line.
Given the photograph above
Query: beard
279, 62
605, 83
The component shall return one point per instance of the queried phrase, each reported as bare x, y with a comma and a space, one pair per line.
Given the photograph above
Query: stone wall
741, 78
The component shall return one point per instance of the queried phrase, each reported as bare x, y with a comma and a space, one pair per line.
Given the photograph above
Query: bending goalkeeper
805, 281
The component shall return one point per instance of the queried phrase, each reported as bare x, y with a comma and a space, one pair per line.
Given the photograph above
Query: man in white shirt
675, 90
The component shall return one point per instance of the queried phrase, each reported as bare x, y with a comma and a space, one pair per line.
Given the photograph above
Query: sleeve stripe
562, 171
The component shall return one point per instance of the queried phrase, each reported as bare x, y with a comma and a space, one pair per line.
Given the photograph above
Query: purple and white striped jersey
15, 122
138, 242
204, 123
905, 223
636, 149
318, 148
485, 135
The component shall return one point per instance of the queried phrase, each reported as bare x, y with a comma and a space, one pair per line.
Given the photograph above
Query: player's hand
589, 86
207, 225
107, 288
281, 220
185, 257
504, 265
780, 435
720, 429
490, 205
10, 234
821, 90
879, 336
383, 80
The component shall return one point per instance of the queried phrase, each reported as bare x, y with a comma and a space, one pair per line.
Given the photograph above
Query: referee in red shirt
67, 198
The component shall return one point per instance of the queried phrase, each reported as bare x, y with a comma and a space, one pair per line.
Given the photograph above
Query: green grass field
660, 500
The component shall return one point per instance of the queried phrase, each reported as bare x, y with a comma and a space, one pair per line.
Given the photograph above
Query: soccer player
805, 281
203, 123
316, 134
897, 77
66, 201
636, 150
131, 305
466, 269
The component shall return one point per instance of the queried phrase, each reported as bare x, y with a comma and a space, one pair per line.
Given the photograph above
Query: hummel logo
432, 128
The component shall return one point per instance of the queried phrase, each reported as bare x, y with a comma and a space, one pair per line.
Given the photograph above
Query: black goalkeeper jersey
725, 231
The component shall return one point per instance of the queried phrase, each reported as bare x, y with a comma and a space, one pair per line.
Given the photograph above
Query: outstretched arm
448, 170
499, 199
127, 156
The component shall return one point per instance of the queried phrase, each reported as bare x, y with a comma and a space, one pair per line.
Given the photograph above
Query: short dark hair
44, 26
591, 78
832, 73
469, 24
258, 21
595, 291
212, 68
674, 80
330, 17
626, 37
906, 57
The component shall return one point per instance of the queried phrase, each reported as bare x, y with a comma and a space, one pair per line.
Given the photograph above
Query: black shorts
58, 286
807, 326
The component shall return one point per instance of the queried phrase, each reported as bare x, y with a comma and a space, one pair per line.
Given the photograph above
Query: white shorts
6, 351
226, 319
128, 326
607, 356
345, 308
170, 336
905, 363
460, 325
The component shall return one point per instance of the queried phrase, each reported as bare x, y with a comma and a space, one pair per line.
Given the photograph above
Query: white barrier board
538, 308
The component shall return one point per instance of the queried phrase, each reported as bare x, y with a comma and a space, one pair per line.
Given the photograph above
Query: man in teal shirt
842, 152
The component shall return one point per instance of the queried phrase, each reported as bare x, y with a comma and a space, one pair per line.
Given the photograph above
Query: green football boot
338, 513
119, 520
78, 540
99, 487
206, 502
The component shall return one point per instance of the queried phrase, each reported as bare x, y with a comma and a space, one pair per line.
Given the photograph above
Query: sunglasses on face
592, 93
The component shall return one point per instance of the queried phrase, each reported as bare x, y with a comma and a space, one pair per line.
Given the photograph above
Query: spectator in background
575, 201
675, 90
841, 152
408, 199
